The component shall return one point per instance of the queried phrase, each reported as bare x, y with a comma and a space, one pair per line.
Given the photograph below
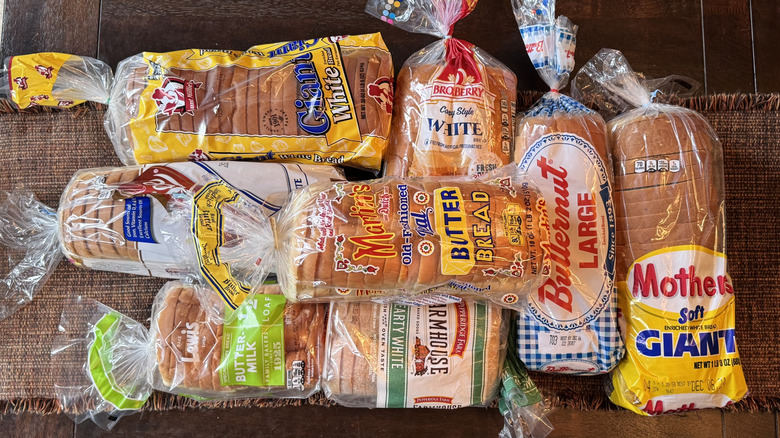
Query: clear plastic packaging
455, 104
55, 79
100, 360
30, 227
676, 297
443, 356
522, 405
105, 364
121, 219
317, 101
570, 324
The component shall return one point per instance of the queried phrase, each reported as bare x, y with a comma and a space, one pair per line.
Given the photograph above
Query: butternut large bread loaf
323, 101
563, 146
116, 219
395, 356
406, 236
454, 112
192, 338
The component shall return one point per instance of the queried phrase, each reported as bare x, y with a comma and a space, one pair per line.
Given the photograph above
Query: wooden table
728, 46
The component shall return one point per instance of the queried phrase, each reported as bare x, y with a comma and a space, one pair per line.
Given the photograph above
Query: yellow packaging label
457, 249
32, 77
208, 231
677, 308
513, 223
283, 102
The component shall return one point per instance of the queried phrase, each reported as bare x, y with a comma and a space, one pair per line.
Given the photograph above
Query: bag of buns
570, 323
120, 219
105, 365
455, 104
444, 356
676, 297
382, 239
317, 101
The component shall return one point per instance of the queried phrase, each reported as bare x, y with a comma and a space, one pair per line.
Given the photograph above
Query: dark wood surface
711, 41
727, 45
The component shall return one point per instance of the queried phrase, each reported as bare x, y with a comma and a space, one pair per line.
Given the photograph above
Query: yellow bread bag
320, 101
674, 292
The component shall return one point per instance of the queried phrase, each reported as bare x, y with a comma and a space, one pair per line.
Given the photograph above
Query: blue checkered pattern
552, 103
609, 347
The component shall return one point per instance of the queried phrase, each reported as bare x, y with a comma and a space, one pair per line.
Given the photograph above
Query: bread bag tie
675, 295
570, 323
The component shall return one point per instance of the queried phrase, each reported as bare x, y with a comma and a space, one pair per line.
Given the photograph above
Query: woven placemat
40, 150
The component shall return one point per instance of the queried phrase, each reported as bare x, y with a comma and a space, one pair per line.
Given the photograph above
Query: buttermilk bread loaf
187, 329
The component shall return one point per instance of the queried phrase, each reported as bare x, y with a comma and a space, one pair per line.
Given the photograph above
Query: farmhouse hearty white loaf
676, 297
570, 324
455, 104
321, 101
105, 364
395, 356
123, 219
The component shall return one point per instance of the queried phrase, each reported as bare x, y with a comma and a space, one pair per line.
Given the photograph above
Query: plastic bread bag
455, 104
388, 239
443, 356
317, 101
521, 403
106, 364
570, 323
99, 362
121, 219
54, 79
676, 297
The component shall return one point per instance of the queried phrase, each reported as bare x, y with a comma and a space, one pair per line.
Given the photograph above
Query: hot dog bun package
675, 295
121, 219
106, 364
570, 323
381, 239
443, 356
318, 101
455, 104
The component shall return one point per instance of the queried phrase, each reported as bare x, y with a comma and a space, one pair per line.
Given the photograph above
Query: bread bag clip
119, 219
675, 296
384, 239
455, 104
105, 364
570, 324
316, 101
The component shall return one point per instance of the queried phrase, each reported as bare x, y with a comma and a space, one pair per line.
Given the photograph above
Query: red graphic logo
21, 82
198, 155
421, 353
39, 98
382, 91
44, 71
65, 103
176, 95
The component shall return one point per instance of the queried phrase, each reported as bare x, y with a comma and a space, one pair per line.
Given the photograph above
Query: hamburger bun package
443, 356
455, 104
385, 239
120, 219
317, 101
675, 295
570, 322
105, 364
